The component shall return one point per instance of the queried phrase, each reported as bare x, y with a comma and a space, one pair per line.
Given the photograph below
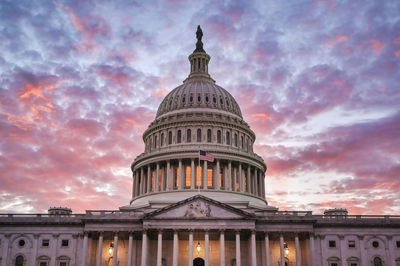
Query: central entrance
198, 262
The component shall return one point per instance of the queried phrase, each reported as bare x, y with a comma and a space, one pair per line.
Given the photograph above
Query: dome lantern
199, 61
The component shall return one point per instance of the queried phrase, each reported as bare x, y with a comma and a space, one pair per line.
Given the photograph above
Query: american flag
206, 156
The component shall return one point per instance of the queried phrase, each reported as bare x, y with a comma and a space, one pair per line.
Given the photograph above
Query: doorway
198, 262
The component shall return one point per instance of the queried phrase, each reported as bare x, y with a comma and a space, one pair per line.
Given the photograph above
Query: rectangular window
398, 244
353, 264
209, 177
64, 243
334, 264
332, 243
352, 243
176, 183
45, 243
63, 264
199, 175
43, 264
188, 176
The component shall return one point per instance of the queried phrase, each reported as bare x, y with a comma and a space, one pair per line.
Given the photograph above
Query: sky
317, 81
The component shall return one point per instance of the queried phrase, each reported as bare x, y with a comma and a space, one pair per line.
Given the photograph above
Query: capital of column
56, 235
115, 233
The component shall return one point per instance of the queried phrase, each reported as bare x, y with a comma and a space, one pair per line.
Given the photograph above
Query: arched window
377, 261
162, 139
189, 135
179, 137
170, 138
199, 135
19, 261
208, 135
235, 140
242, 141
155, 142
219, 136
228, 138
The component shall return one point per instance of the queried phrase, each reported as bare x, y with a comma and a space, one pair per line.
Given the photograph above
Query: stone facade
188, 211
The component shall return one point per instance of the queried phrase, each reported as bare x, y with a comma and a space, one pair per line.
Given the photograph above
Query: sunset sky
317, 81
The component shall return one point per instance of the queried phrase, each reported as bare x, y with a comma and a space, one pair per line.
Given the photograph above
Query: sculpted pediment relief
199, 207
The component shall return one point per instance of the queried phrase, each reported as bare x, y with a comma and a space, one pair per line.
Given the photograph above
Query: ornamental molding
196, 210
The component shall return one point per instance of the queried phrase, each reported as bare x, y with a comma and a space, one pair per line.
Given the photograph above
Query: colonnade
183, 174
238, 257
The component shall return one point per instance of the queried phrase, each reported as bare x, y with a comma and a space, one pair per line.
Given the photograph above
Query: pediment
199, 207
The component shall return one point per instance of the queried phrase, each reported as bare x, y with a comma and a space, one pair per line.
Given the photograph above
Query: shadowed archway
198, 262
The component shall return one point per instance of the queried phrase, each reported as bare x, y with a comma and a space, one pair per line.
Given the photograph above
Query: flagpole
199, 174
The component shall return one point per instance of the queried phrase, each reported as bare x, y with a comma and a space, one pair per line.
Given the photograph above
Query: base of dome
157, 200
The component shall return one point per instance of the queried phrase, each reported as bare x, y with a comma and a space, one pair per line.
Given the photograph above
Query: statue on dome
199, 43
199, 33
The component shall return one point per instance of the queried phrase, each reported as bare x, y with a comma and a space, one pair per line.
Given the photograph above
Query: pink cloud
337, 39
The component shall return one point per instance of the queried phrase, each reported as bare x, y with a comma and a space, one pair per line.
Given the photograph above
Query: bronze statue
199, 43
199, 33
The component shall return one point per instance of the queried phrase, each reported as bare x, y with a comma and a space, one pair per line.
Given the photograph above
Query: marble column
205, 177
282, 248
144, 248
342, 249
35, 248
85, 248
311, 251
249, 180
206, 248
263, 185
238, 261
267, 252
241, 183
175, 250
192, 174
222, 247
99, 249
180, 175
217, 179
257, 183
133, 185
137, 185
142, 187
253, 249
296, 241
148, 179
157, 181
228, 184
235, 179
115, 253
159, 248
130, 247
168, 175
190, 262
362, 250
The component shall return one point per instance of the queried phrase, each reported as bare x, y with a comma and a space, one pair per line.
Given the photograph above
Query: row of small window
198, 138
43, 261
45, 243
352, 244
207, 100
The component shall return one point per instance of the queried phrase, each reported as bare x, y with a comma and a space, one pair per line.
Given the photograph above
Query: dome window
170, 103
21, 243
219, 136
189, 136
228, 138
221, 101
206, 98
208, 135
199, 98
155, 142
162, 139
214, 100
227, 102
179, 137
183, 99
170, 138
199, 135
235, 140
191, 98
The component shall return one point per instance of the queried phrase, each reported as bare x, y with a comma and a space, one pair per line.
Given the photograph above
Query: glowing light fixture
110, 249
198, 247
286, 248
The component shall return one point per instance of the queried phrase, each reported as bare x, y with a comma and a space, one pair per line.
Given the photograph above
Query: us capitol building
198, 198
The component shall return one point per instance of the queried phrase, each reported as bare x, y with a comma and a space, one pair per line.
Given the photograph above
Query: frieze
196, 210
